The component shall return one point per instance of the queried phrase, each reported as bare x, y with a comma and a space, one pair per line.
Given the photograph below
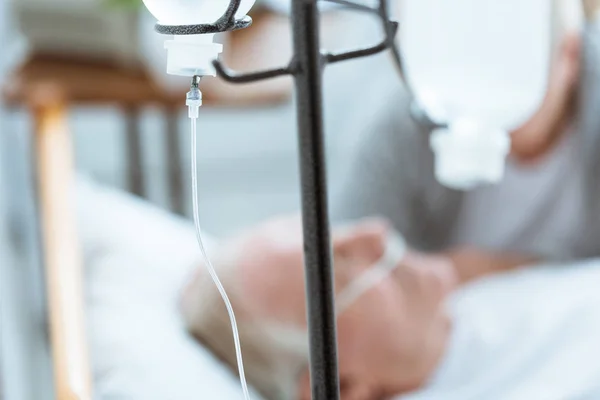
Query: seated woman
546, 205
527, 335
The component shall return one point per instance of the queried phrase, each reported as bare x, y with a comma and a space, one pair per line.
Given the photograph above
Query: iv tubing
209, 265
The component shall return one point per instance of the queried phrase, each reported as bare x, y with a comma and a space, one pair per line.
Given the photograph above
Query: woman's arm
472, 264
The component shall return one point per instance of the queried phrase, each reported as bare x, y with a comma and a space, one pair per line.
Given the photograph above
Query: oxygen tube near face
394, 253
194, 101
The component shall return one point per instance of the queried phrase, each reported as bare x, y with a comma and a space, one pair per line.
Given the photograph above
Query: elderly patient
528, 335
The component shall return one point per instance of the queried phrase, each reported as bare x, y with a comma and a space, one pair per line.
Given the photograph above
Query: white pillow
137, 260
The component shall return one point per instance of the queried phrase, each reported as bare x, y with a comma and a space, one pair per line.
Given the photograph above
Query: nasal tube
395, 251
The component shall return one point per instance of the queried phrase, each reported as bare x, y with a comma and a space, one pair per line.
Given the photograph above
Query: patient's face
391, 338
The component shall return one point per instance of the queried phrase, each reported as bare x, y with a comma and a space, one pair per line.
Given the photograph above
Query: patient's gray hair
275, 355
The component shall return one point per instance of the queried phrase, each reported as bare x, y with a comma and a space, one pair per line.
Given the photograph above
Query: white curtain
4, 20
24, 360
11, 42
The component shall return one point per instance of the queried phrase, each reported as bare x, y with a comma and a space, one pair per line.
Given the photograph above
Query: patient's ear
350, 388
355, 389
364, 240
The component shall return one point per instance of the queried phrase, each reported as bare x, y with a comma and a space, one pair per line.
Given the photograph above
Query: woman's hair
275, 355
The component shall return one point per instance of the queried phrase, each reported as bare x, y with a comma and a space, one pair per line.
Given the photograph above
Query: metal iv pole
306, 67
317, 244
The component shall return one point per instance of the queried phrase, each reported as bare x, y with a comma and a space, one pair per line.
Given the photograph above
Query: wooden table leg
134, 153
63, 263
174, 160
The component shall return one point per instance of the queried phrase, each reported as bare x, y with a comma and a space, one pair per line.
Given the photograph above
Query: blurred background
99, 65
129, 129
248, 139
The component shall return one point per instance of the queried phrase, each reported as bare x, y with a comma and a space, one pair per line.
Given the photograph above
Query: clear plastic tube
209, 265
395, 250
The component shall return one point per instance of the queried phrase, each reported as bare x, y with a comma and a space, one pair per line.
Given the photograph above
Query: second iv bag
481, 67
190, 55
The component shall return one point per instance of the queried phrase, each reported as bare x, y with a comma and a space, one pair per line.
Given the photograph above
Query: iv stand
306, 67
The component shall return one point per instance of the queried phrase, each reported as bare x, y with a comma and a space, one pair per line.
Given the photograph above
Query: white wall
248, 162
25, 364
25, 368
24, 361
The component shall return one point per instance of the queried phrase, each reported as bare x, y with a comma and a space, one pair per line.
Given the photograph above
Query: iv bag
192, 54
191, 12
480, 66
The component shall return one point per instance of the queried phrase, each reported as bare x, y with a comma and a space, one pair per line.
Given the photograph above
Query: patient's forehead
270, 270
279, 234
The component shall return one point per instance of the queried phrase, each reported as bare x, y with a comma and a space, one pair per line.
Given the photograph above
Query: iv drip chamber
480, 68
191, 55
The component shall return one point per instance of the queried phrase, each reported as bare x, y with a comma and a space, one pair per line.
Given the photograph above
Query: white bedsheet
531, 335
137, 259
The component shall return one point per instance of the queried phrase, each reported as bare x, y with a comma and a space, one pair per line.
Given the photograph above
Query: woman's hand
538, 135
472, 264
